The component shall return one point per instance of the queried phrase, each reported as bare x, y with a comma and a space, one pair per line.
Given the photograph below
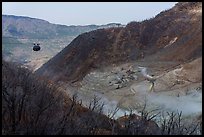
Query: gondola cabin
36, 47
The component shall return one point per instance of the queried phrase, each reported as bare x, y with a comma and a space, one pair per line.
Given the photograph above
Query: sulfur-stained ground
177, 88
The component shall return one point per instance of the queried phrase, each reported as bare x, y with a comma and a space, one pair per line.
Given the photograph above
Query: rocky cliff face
173, 35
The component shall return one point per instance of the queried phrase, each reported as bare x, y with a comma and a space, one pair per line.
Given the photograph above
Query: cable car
36, 47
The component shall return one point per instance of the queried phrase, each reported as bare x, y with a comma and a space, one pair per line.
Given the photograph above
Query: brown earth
138, 40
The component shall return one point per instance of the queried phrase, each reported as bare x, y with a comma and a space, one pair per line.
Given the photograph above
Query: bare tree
173, 124
33, 106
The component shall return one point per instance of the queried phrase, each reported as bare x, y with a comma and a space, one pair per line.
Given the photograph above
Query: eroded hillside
173, 35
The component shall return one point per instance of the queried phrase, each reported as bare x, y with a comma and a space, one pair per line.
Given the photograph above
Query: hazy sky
85, 13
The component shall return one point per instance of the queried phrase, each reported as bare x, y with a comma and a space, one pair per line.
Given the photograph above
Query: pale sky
86, 13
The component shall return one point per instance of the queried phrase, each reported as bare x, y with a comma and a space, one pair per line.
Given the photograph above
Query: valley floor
124, 87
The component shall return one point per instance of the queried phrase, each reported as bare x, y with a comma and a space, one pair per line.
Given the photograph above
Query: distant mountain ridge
27, 27
20, 32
